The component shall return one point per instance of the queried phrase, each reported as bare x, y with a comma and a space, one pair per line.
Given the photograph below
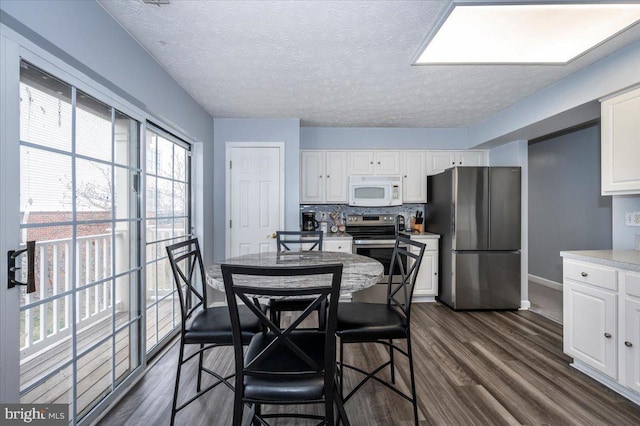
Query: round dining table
358, 273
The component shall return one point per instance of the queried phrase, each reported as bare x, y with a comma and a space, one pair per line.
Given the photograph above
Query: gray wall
566, 210
624, 236
255, 130
381, 137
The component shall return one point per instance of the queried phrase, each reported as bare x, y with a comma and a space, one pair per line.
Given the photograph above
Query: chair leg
198, 387
238, 406
329, 399
175, 390
342, 414
341, 370
413, 381
256, 412
393, 364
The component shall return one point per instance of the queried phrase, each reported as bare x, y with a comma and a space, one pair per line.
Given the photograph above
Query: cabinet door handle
405, 176
371, 162
607, 335
328, 176
628, 344
584, 274
321, 176
378, 162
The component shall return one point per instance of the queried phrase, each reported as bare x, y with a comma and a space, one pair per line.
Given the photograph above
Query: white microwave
375, 191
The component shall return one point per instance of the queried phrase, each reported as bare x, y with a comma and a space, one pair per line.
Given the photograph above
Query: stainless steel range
374, 236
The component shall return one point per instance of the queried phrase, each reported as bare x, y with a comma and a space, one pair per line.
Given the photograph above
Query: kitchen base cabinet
342, 245
631, 348
601, 322
590, 326
427, 278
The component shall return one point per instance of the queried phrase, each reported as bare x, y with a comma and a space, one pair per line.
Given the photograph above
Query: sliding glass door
80, 331
168, 221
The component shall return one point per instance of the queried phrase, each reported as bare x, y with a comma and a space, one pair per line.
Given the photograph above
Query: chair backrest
400, 293
287, 238
314, 284
188, 274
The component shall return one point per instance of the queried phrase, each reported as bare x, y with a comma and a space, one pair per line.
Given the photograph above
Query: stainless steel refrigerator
476, 211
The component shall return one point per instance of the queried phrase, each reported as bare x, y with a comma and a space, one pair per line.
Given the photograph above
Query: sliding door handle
12, 255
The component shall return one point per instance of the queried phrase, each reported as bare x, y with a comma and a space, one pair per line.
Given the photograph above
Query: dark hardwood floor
484, 368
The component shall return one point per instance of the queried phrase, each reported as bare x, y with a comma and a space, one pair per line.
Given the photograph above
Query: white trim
525, 305
10, 219
227, 173
606, 380
545, 282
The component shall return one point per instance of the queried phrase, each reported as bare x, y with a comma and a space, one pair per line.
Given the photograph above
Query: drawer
343, 246
589, 273
430, 243
632, 283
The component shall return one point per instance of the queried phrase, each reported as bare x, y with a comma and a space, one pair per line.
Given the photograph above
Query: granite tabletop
624, 259
359, 272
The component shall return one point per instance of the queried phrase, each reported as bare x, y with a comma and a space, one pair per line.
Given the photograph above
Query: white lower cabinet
342, 246
427, 279
601, 323
631, 348
590, 326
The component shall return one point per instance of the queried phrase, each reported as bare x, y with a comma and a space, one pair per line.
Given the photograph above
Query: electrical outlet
632, 218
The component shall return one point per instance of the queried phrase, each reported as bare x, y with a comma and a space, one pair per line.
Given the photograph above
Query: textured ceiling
329, 63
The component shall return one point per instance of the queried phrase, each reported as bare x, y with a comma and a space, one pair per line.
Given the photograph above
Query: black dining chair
208, 327
384, 323
286, 240
291, 366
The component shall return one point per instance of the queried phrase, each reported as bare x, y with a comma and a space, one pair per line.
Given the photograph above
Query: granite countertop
624, 259
421, 234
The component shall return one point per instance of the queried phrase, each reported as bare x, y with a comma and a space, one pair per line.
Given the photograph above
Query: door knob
273, 235
628, 344
584, 274
607, 335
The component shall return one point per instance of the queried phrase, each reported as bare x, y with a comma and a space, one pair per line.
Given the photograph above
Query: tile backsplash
407, 210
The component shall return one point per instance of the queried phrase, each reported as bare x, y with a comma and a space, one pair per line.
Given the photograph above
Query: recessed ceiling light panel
525, 33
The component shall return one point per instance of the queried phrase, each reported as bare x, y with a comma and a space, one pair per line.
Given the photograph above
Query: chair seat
295, 385
213, 325
364, 322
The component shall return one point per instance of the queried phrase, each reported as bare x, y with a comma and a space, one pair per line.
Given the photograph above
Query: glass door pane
80, 331
168, 221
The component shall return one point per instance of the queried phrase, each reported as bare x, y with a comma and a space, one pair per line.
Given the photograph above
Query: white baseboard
525, 305
606, 380
545, 282
423, 299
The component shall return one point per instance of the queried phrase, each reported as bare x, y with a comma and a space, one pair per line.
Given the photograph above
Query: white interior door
255, 197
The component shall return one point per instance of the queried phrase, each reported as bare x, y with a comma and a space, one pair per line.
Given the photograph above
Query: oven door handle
376, 246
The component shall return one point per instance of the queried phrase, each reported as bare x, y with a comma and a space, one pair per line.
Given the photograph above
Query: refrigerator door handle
453, 219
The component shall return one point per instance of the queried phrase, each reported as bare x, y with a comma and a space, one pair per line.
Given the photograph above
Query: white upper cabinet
324, 177
414, 177
374, 163
312, 173
439, 161
361, 163
387, 163
620, 142
336, 186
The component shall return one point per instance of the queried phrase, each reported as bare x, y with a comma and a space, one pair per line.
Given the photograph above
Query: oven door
382, 252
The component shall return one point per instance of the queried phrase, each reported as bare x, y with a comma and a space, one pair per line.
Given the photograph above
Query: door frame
227, 186
15, 47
